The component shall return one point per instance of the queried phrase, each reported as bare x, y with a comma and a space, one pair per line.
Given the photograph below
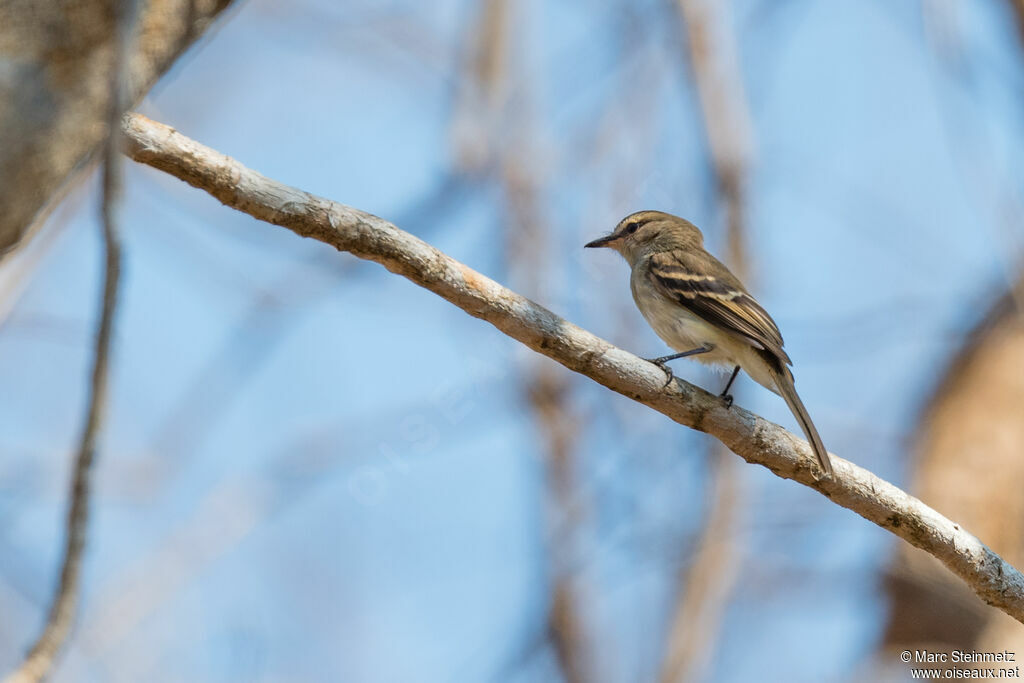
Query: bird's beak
600, 242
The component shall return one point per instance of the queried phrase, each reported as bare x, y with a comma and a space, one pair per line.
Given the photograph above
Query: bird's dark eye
631, 227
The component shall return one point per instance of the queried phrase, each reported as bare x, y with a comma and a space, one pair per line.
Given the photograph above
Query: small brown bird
700, 309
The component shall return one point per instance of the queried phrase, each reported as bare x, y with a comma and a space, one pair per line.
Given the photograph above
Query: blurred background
314, 470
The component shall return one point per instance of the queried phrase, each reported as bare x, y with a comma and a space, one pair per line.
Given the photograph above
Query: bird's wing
713, 293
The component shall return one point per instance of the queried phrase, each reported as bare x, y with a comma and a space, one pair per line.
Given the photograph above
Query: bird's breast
676, 325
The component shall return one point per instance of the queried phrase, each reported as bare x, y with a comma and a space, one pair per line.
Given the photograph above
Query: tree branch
751, 437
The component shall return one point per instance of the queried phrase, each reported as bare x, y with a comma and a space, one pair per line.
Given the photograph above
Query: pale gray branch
753, 438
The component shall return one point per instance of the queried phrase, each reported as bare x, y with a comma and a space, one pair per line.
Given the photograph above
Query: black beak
600, 242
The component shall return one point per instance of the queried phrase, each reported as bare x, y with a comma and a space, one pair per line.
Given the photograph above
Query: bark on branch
753, 438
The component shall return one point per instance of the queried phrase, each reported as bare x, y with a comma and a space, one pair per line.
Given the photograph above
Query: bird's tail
784, 383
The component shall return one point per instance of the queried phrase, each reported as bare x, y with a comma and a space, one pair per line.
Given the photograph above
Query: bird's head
650, 232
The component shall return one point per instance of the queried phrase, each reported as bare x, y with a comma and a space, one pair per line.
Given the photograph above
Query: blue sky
314, 470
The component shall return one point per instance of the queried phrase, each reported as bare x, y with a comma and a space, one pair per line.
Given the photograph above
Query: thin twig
751, 437
39, 661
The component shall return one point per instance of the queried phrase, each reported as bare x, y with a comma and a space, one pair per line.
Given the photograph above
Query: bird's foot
660, 362
727, 398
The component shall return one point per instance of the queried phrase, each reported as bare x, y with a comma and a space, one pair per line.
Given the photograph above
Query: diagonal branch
751, 437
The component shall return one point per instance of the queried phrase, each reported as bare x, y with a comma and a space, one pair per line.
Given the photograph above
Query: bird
701, 310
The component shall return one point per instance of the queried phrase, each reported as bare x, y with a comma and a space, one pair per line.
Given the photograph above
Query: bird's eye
631, 228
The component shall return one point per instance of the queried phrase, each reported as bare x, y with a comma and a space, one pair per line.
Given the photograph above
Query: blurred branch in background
714, 60
549, 395
481, 90
753, 438
492, 137
53, 102
41, 657
1018, 12
707, 585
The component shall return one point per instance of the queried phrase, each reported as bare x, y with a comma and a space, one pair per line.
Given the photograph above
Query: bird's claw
728, 400
669, 375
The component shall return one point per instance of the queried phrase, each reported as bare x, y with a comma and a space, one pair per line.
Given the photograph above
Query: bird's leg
725, 395
660, 362
684, 354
